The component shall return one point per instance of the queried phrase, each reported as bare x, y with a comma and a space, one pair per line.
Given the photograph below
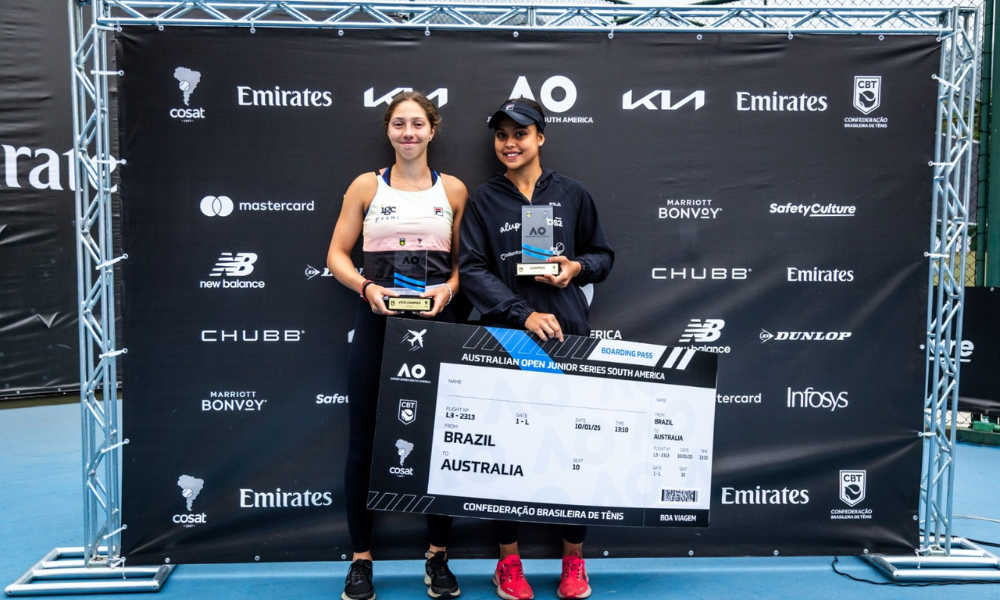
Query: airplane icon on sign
416, 339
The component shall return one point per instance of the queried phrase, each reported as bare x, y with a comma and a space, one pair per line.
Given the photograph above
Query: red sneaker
510, 581
573, 583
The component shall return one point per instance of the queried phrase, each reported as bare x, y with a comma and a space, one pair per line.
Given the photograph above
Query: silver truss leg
64, 571
98, 566
942, 557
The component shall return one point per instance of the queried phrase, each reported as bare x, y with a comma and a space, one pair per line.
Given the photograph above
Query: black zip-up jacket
491, 248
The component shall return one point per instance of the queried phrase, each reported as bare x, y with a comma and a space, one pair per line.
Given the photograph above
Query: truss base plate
62, 571
966, 562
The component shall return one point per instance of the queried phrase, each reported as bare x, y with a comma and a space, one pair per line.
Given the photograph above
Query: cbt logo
557, 82
867, 93
407, 412
852, 487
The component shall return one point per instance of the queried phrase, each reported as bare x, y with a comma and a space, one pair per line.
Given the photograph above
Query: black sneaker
440, 580
358, 585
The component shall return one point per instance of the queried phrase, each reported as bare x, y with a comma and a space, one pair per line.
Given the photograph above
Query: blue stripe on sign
535, 250
520, 346
408, 279
403, 284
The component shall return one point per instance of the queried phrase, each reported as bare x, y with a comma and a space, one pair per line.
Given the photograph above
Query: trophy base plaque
533, 269
409, 303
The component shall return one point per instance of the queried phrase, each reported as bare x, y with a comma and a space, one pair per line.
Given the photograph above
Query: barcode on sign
678, 495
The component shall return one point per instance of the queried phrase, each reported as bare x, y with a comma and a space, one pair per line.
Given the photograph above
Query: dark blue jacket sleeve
593, 251
487, 292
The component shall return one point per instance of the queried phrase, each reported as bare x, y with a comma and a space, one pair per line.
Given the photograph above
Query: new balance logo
238, 265
700, 331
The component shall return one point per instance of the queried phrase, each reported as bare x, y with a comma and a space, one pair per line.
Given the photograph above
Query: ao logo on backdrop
522, 89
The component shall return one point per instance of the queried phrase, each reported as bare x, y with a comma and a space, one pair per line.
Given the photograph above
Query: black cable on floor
836, 559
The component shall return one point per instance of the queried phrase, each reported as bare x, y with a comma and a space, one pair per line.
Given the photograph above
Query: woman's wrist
364, 288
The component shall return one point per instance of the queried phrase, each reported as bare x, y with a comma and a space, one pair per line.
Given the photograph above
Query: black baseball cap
520, 113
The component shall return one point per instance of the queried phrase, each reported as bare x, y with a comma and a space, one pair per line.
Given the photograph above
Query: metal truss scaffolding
99, 567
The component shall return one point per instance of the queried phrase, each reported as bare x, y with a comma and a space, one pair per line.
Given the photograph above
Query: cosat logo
415, 338
708, 330
216, 206
804, 336
312, 271
852, 487
407, 413
190, 490
696, 98
187, 82
440, 94
867, 93
229, 265
403, 449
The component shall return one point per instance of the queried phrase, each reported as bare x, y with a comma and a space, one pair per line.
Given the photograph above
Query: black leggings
506, 532
364, 364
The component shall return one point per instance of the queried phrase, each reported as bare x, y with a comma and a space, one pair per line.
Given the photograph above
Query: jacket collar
543, 180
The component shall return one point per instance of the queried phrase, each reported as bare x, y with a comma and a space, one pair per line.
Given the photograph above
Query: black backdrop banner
768, 199
978, 385
39, 338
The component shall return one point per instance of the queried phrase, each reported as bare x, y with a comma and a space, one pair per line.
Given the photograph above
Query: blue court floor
41, 507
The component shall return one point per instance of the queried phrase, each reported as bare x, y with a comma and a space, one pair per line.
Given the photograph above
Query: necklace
409, 183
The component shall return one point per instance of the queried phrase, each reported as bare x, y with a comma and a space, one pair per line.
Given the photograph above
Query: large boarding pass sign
494, 423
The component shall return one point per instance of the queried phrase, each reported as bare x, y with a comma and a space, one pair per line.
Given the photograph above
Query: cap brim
513, 116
